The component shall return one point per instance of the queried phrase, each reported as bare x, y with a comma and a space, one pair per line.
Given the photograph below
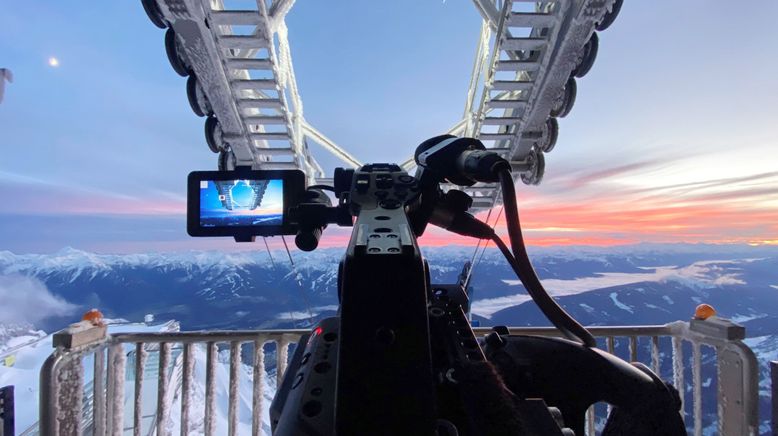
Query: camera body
400, 357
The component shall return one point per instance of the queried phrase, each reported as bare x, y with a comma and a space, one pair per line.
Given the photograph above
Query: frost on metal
697, 388
70, 396
163, 390
281, 359
141, 355
186, 387
258, 386
235, 363
251, 398
210, 389
678, 369
116, 374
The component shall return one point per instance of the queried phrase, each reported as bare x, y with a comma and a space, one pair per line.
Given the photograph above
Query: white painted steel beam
534, 47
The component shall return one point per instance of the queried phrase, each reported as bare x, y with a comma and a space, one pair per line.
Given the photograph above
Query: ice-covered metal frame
241, 77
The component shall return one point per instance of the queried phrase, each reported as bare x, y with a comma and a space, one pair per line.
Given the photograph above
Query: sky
672, 137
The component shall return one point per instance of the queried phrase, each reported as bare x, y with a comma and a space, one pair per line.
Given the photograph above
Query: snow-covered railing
62, 400
62, 408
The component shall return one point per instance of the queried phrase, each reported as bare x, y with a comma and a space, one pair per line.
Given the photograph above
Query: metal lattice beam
526, 56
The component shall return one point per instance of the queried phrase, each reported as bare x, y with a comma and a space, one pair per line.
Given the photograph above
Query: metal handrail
62, 392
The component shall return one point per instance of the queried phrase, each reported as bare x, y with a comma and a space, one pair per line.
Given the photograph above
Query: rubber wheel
197, 99
171, 48
551, 135
155, 15
590, 54
610, 17
535, 175
226, 160
568, 99
212, 128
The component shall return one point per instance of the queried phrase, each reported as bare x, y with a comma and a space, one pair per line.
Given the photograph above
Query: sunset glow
652, 150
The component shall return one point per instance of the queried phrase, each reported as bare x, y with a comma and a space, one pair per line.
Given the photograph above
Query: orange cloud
595, 208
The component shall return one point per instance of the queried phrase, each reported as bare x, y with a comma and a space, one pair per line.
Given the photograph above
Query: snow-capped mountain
645, 284
251, 289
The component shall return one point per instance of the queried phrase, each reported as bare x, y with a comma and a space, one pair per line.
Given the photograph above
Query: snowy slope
25, 372
645, 284
13, 335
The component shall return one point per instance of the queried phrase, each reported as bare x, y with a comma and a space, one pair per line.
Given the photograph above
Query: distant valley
627, 285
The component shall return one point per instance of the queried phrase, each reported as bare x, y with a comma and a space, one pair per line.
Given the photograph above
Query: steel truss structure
241, 78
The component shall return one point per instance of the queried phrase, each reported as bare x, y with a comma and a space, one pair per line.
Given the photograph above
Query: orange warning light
704, 311
94, 316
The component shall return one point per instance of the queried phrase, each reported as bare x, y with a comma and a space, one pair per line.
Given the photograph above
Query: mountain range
624, 285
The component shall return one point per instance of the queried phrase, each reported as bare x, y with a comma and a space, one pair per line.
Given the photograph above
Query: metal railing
62, 410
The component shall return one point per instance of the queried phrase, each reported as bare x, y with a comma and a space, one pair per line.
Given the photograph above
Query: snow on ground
766, 347
615, 298
17, 335
700, 275
740, 319
298, 315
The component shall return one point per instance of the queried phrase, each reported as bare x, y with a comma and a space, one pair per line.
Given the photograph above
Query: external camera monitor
242, 203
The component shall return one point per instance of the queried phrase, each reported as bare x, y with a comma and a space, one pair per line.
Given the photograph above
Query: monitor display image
226, 203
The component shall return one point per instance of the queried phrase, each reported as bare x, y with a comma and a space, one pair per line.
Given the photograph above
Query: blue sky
676, 117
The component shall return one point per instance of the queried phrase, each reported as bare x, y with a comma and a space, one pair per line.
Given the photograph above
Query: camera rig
400, 358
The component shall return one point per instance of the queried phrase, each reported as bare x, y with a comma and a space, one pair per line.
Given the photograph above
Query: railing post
140, 365
98, 393
186, 387
738, 376
738, 384
47, 404
678, 368
70, 379
258, 387
210, 388
697, 388
281, 359
116, 374
7, 411
774, 395
232, 406
163, 389
655, 355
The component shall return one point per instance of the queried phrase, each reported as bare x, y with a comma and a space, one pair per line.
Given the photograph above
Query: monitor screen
226, 203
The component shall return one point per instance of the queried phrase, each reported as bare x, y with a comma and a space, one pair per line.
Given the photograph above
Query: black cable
523, 268
322, 187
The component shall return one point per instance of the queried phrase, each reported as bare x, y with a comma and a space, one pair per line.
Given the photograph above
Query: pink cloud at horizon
602, 207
